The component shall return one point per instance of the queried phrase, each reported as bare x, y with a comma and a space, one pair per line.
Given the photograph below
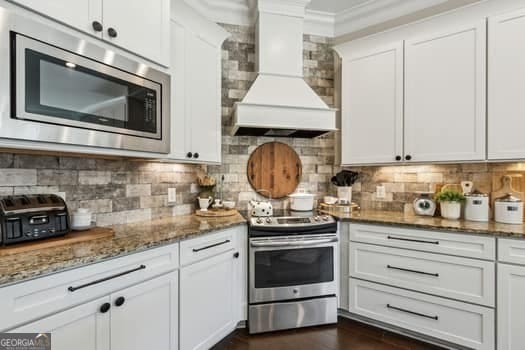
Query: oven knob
317, 218
259, 221
268, 220
325, 217
295, 291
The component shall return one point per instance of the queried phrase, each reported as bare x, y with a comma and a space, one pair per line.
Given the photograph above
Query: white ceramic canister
508, 210
81, 218
477, 206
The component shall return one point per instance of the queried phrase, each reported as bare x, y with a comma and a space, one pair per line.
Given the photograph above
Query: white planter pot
450, 210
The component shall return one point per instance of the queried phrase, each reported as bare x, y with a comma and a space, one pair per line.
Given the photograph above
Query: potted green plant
450, 203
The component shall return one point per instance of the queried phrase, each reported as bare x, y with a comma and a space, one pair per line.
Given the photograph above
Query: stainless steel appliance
64, 89
28, 218
293, 269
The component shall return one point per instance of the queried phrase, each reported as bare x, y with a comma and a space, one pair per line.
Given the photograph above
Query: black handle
411, 312
97, 26
195, 155
408, 157
211, 246
414, 271
398, 158
105, 307
72, 289
236, 255
112, 32
120, 301
412, 240
189, 154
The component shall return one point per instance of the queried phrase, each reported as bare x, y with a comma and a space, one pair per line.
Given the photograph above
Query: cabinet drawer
511, 251
448, 276
464, 324
27, 301
471, 246
193, 250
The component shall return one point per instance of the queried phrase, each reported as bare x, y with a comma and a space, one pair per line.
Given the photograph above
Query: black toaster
30, 217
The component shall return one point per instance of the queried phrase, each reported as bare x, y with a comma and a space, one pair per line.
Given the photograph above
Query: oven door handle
290, 243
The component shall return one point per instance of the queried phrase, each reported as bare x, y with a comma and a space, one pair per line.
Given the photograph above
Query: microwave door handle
297, 243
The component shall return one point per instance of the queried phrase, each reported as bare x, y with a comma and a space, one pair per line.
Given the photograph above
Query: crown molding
369, 13
374, 12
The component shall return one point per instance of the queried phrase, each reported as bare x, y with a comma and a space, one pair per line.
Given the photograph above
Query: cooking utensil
301, 201
467, 187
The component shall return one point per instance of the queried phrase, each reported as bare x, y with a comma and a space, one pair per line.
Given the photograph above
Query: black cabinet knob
195, 155
120, 301
408, 157
105, 307
97, 26
398, 158
189, 154
236, 255
112, 32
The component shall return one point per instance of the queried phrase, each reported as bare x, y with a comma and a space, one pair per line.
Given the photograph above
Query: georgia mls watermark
25, 341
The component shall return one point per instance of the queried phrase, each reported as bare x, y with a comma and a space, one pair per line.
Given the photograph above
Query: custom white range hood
280, 102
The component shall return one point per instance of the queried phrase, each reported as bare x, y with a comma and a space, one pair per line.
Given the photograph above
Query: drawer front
470, 246
447, 276
27, 301
511, 251
196, 249
460, 323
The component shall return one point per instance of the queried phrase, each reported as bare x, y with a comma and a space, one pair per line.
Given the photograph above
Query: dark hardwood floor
346, 335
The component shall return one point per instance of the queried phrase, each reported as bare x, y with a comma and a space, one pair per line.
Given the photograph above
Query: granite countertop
434, 223
127, 238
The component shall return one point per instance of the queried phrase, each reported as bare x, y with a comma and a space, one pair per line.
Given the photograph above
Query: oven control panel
292, 221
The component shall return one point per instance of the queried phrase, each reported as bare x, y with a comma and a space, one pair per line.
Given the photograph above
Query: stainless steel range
293, 269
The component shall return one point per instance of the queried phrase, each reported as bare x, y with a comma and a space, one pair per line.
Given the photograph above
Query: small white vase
450, 210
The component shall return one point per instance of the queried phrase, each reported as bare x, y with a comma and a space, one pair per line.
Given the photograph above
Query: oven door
58, 87
286, 268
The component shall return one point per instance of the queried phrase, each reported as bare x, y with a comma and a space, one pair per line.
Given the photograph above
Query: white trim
319, 23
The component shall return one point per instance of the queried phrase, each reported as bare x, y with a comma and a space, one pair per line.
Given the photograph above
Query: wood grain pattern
70, 238
217, 213
275, 167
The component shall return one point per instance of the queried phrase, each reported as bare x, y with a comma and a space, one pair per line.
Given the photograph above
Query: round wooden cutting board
275, 167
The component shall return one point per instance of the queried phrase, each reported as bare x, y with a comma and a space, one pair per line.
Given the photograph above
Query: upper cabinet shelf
141, 27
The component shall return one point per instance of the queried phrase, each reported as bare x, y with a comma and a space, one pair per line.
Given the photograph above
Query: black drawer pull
211, 246
411, 312
412, 240
414, 271
72, 289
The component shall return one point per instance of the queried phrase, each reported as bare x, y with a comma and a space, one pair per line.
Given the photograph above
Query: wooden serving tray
70, 238
216, 213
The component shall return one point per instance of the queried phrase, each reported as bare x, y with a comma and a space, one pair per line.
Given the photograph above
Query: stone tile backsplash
117, 191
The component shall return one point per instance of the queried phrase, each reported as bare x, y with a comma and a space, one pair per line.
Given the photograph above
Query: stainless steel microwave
64, 89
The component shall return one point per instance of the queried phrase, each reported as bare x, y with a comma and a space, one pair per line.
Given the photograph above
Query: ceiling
335, 6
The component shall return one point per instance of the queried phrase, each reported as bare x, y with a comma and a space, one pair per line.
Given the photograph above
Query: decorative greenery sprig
450, 196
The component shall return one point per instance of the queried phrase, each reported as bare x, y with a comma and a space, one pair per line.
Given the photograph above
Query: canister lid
509, 198
476, 193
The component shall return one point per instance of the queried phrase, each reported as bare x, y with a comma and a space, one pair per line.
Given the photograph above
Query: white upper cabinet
137, 26
445, 95
372, 106
196, 86
506, 81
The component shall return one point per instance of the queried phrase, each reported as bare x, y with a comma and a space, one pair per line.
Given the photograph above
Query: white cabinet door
206, 301
146, 315
141, 27
511, 307
506, 75
372, 106
241, 276
77, 13
445, 95
83, 327
203, 99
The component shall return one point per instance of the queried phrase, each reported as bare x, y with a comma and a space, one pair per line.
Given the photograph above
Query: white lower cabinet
213, 280
460, 323
136, 318
83, 327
